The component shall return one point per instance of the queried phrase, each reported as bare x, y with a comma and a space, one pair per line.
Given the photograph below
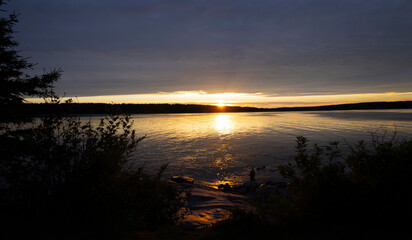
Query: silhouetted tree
15, 84
60, 176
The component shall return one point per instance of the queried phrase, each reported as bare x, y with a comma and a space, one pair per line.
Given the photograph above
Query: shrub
66, 176
365, 194
367, 189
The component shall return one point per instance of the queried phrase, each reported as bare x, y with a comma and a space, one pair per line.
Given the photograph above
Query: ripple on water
217, 148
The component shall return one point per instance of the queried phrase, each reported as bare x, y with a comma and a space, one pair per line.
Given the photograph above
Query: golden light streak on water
223, 123
219, 148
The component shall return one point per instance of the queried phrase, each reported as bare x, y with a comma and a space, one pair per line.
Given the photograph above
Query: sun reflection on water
223, 123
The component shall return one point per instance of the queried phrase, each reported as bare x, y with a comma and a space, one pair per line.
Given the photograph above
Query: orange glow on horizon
240, 99
221, 105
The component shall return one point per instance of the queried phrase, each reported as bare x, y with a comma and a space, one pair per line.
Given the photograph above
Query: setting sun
221, 105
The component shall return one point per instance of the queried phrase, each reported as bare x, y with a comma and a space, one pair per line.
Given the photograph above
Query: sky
235, 52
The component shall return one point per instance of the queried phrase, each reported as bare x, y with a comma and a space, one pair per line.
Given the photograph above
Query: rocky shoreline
207, 206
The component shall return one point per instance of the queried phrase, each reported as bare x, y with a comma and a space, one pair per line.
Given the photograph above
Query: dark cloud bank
284, 47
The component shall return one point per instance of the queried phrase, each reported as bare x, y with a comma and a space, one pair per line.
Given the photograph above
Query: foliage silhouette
61, 176
102, 108
71, 176
364, 194
365, 190
15, 84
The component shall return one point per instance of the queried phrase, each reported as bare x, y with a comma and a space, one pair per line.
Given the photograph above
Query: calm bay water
216, 148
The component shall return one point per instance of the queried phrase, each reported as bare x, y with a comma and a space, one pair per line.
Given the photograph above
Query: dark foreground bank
363, 195
66, 179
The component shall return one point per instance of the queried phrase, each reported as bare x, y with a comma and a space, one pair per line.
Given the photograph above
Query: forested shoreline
38, 109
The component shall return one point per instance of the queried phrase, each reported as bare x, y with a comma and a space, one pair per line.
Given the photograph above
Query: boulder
267, 190
270, 188
182, 179
224, 187
208, 206
250, 184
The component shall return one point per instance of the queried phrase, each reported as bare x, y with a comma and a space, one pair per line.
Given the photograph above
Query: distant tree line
102, 108
352, 106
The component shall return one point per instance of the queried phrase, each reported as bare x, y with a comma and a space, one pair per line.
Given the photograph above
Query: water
215, 148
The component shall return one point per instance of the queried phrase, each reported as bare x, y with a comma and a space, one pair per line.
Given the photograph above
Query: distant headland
103, 108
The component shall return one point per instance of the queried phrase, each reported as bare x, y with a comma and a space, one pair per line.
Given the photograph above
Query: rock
267, 190
270, 182
250, 184
208, 206
261, 168
203, 218
270, 188
252, 174
224, 187
182, 179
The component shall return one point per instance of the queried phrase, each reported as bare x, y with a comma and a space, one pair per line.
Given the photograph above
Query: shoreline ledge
207, 205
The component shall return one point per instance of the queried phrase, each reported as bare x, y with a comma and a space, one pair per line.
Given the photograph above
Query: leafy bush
368, 189
68, 176
364, 194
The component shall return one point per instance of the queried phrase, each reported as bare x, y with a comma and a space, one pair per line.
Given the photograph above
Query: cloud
287, 47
